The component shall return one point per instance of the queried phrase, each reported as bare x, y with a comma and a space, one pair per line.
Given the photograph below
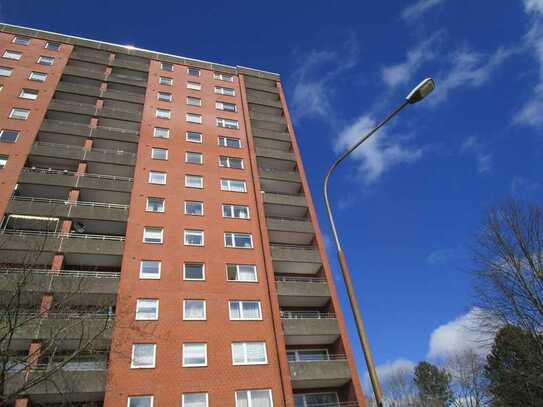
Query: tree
515, 369
468, 380
433, 385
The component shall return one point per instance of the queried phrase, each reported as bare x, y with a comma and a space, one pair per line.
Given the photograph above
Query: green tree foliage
433, 385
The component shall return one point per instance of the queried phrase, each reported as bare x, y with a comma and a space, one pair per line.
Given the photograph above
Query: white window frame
228, 158
223, 77
157, 130
193, 202
157, 172
155, 149
221, 90
231, 208
25, 92
33, 74
151, 398
164, 96
194, 118
249, 397
143, 367
220, 106
43, 58
147, 207
165, 80
228, 182
17, 110
185, 318
145, 228
194, 98
200, 155
189, 68
199, 364
194, 86
222, 122
3, 161
201, 392
194, 279
56, 46
245, 354
194, 141
241, 311
187, 232
190, 186
139, 302
165, 114
142, 275
13, 55
162, 64
234, 239
20, 40
2, 131
7, 70
237, 273
226, 138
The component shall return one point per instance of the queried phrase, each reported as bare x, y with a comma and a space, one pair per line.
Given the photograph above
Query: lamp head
420, 91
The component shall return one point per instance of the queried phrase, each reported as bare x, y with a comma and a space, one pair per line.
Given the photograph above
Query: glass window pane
260, 398
194, 271
235, 310
194, 354
251, 309
194, 309
143, 355
247, 273
140, 401
195, 400
242, 399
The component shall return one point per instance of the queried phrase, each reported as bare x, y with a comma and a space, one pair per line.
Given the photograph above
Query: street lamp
422, 90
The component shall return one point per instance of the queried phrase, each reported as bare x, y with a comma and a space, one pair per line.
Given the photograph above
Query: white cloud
459, 335
395, 75
535, 6
473, 146
379, 153
443, 256
416, 10
521, 186
390, 369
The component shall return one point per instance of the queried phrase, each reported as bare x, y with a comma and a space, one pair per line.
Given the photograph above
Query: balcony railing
61, 234
62, 273
93, 149
79, 174
325, 358
74, 203
293, 246
300, 279
307, 315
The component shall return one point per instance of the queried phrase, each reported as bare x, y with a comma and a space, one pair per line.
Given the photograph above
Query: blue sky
409, 201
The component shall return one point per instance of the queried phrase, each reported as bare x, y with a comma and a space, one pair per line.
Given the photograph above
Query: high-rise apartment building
158, 246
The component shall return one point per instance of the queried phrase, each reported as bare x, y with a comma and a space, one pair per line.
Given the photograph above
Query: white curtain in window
256, 352
195, 400
246, 273
194, 309
194, 354
251, 310
235, 312
260, 398
242, 399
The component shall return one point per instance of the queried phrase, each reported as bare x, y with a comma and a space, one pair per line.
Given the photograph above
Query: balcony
137, 65
124, 96
288, 231
269, 125
280, 182
295, 259
120, 114
275, 159
88, 55
116, 134
302, 291
333, 371
273, 118
309, 327
60, 105
78, 89
265, 85
263, 97
84, 73
64, 127
285, 206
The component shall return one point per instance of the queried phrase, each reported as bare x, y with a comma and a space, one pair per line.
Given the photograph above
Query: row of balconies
91, 110
102, 57
86, 89
118, 75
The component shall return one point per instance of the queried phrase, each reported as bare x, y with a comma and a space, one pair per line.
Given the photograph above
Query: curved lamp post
422, 90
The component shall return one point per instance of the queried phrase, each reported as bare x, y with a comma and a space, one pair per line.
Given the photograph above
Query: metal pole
377, 391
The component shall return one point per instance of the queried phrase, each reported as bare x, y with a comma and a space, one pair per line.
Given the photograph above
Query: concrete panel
71, 107
47, 178
78, 89
271, 134
62, 127
317, 374
108, 133
92, 246
105, 184
275, 154
311, 331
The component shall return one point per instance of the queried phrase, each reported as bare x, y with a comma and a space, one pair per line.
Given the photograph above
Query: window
194, 400
156, 177
164, 96
161, 132
153, 235
146, 309
231, 162
166, 66
233, 185
235, 211
21, 40
150, 269
254, 398
12, 55
3, 161
155, 204
225, 91
8, 136
194, 158
228, 107
227, 123
19, 114
249, 353
163, 80
307, 355
143, 356
5, 71
194, 118
194, 237
159, 154
316, 399
140, 401
194, 208
163, 114
48, 61
194, 310
194, 86
31, 94
53, 46
192, 101
241, 272
194, 181
245, 310
229, 142
193, 271
37, 76
194, 354
193, 137
193, 71
223, 77
238, 240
